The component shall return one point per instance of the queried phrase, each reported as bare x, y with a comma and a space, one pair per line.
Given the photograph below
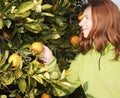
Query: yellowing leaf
62, 75
47, 14
47, 75
1, 23
38, 8
46, 6
33, 27
3, 96
18, 73
66, 84
54, 75
43, 69
9, 81
38, 78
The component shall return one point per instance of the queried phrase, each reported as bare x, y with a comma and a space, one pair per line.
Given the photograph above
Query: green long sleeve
97, 73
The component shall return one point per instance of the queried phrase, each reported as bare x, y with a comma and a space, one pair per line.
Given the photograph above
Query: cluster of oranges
15, 59
36, 47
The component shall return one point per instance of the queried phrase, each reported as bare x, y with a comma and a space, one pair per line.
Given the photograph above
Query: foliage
51, 22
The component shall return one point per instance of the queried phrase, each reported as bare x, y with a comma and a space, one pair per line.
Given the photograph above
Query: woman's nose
81, 23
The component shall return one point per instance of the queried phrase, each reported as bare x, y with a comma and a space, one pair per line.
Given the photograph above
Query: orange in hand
37, 47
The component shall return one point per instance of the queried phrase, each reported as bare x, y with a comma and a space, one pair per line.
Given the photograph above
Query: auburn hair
105, 27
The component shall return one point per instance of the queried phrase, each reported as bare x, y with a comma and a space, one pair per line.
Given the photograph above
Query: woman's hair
105, 27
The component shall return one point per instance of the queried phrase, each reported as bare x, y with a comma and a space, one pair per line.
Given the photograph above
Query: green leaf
46, 6
8, 6
1, 23
22, 85
4, 58
59, 21
43, 69
8, 23
38, 8
51, 36
44, 26
54, 75
2, 62
5, 67
29, 20
38, 78
33, 27
3, 96
66, 84
47, 14
6, 54
25, 7
85, 85
23, 15
46, 75
9, 80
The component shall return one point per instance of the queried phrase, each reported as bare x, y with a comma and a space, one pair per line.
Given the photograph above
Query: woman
97, 67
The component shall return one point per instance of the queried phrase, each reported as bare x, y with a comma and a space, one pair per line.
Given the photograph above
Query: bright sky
117, 2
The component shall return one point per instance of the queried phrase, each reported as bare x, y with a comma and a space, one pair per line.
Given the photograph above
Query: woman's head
86, 22
105, 25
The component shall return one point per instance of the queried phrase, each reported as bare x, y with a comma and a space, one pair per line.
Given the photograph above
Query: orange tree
22, 22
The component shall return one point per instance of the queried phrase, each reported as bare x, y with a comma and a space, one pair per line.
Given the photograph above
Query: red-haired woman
97, 67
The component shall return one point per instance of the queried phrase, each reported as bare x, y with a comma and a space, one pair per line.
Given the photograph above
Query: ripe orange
74, 40
6, 34
73, 10
15, 59
1, 15
45, 95
18, 96
37, 47
80, 16
55, 6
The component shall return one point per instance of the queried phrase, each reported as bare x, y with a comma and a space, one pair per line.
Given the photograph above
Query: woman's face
86, 22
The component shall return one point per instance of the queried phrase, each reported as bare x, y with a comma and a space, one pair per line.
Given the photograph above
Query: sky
117, 2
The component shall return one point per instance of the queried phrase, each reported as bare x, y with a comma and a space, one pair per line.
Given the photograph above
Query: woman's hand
47, 55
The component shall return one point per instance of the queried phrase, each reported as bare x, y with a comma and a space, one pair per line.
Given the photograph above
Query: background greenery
22, 22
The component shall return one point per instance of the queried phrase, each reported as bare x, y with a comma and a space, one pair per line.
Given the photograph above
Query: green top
97, 73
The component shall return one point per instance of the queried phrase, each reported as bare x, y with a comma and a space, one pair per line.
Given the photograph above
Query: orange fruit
37, 47
18, 96
80, 16
74, 40
55, 6
6, 34
15, 59
1, 15
73, 10
46, 95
